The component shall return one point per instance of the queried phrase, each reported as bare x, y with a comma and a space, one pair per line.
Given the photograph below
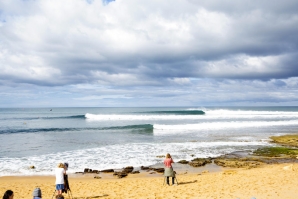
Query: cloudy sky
123, 53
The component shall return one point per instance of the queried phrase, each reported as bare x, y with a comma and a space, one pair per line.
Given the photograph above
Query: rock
87, 170
198, 162
120, 174
124, 172
145, 168
128, 169
237, 163
158, 170
107, 171
286, 140
134, 172
97, 177
183, 162
32, 167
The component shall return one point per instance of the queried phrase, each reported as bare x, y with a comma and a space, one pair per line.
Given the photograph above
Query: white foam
118, 156
159, 128
250, 114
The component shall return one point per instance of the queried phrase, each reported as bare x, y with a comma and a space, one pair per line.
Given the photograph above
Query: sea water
105, 138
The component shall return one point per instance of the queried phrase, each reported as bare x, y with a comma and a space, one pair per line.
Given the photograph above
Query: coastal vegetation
287, 147
276, 152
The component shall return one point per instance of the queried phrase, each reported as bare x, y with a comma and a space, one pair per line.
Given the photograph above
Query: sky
133, 53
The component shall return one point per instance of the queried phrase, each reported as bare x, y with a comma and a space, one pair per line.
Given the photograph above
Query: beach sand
278, 181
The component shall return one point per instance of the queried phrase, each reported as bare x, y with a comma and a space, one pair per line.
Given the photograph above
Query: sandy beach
267, 182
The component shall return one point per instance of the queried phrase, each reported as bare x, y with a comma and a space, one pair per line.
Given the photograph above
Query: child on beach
8, 194
169, 172
37, 193
60, 171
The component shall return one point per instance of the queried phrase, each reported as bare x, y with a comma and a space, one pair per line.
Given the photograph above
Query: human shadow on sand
91, 197
189, 182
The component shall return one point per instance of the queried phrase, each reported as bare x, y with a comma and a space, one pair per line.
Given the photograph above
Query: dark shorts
59, 186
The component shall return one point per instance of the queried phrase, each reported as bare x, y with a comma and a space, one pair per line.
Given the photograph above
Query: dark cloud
246, 6
150, 50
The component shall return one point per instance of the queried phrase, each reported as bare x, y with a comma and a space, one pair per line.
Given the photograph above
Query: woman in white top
60, 171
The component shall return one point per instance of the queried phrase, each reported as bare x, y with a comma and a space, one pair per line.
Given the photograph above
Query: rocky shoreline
285, 152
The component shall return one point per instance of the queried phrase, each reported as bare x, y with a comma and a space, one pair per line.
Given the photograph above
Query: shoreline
274, 179
178, 167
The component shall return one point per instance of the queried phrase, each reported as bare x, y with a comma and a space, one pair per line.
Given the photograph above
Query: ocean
113, 138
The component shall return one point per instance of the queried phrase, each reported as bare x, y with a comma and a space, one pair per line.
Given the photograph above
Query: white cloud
180, 81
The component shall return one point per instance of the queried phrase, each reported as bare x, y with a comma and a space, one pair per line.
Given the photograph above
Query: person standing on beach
169, 172
60, 171
66, 184
8, 194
